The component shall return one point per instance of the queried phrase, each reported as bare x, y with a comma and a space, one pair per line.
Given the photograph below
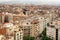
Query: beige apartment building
37, 26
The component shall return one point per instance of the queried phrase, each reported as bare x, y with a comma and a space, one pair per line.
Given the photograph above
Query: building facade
18, 35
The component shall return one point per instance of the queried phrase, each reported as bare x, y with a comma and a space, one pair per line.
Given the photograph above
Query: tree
43, 35
28, 38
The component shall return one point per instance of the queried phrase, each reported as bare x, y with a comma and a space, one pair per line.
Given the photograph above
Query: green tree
43, 35
28, 38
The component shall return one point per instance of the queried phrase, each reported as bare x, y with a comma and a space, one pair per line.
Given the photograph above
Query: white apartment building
51, 32
25, 26
18, 35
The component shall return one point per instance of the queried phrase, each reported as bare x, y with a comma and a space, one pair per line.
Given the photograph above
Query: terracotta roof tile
3, 31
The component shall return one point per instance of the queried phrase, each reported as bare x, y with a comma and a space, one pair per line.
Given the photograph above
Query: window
51, 22
24, 12
52, 26
48, 24
27, 23
41, 18
17, 34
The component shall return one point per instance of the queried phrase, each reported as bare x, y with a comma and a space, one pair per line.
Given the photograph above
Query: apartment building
18, 35
25, 26
37, 26
53, 30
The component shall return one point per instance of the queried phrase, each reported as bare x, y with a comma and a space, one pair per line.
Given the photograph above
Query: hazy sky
33, 0
36, 1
